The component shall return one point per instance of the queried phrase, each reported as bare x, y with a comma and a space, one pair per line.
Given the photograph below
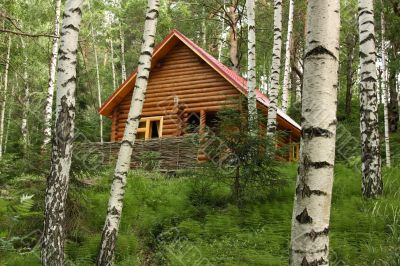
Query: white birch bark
62, 138
122, 42
385, 92
251, 66
9, 113
372, 184
312, 204
275, 69
96, 61
115, 203
4, 102
204, 29
48, 111
222, 36
113, 65
286, 76
25, 99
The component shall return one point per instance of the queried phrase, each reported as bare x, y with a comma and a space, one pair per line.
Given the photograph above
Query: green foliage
150, 160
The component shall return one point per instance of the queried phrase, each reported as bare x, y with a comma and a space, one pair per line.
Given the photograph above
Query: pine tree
312, 204
58, 179
115, 203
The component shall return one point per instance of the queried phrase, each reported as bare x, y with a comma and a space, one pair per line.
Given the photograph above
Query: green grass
183, 221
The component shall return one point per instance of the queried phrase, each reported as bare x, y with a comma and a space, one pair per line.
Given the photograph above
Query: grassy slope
164, 221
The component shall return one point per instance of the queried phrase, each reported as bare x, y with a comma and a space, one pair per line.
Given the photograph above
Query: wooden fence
172, 153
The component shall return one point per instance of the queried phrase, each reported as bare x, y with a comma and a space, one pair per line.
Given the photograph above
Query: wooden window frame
147, 129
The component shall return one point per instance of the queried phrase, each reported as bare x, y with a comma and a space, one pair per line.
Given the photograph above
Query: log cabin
187, 86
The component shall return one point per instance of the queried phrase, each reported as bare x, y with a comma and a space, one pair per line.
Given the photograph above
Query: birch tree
4, 102
251, 64
275, 69
286, 76
25, 99
112, 64
385, 90
312, 204
122, 43
96, 61
48, 110
372, 184
115, 202
58, 179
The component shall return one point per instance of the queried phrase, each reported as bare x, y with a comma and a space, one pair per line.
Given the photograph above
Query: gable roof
162, 49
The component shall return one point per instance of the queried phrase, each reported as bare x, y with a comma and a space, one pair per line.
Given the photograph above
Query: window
295, 152
150, 128
193, 123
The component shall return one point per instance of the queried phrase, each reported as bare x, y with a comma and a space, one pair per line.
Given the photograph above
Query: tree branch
28, 34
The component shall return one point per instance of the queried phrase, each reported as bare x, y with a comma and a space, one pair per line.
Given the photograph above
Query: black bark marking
71, 79
306, 191
72, 27
303, 217
320, 50
313, 234
370, 37
316, 132
320, 261
129, 143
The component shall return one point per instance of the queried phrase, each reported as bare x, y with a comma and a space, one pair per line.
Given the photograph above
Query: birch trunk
222, 36
233, 40
115, 202
251, 66
122, 42
204, 29
385, 91
96, 61
3, 105
62, 139
372, 184
286, 76
48, 111
113, 65
275, 70
25, 100
9, 114
312, 204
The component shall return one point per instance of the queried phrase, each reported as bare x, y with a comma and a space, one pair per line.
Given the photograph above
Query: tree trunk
312, 204
222, 36
9, 113
48, 111
393, 104
25, 100
251, 70
96, 60
62, 139
3, 106
113, 65
286, 76
233, 38
204, 30
351, 42
385, 91
122, 42
115, 203
275, 69
372, 184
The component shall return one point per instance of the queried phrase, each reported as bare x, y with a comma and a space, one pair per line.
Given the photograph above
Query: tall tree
372, 184
312, 204
115, 202
251, 66
233, 36
351, 50
4, 102
286, 76
62, 139
48, 110
25, 99
113, 64
275, 69
96, 61
385, 90
122, 43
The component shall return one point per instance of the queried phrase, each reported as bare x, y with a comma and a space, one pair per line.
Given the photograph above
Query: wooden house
186, 86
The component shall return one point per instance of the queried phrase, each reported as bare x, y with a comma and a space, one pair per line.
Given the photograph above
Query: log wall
181, 83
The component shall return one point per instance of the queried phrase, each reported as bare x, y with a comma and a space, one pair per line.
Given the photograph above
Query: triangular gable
162, 49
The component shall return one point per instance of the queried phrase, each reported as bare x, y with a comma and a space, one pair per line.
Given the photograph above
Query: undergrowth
187, 220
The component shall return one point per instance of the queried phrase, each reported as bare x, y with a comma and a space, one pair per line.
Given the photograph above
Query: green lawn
187, 220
